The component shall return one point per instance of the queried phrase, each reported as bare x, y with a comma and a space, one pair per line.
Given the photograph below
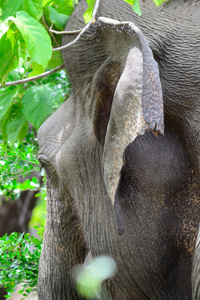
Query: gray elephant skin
122, 154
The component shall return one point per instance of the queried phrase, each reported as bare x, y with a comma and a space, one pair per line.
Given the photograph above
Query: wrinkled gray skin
112, 191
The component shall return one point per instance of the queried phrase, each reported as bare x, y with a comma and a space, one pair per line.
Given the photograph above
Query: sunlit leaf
130, 1
158, 2
36, 69
45, 2
9, 7
36, 38
136, 7
9, 56
88, 15
33, 7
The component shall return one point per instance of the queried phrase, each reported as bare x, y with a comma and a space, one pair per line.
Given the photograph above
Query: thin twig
47, 27
83, 30
75, 40
25, 80
65, 32
96, 8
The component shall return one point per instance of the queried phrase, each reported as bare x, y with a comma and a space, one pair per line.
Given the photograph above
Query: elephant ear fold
137, 102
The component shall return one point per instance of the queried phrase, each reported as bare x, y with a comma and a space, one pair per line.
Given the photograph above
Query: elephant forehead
57, 129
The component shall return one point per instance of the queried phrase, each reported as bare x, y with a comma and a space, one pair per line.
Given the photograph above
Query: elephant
122, 154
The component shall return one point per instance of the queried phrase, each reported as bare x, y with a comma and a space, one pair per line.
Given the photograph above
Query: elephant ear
129, 77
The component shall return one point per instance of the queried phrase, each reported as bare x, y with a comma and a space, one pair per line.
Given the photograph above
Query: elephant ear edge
137, 102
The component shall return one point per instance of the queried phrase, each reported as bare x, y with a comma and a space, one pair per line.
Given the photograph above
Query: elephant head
124, 93
113, 187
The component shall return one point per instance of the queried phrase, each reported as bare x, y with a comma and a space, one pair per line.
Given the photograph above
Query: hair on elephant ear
128, 97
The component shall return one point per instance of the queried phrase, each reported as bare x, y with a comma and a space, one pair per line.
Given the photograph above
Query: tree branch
83, 30
76, 39
25, 80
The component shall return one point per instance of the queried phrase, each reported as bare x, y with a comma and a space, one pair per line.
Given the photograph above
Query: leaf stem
47, 27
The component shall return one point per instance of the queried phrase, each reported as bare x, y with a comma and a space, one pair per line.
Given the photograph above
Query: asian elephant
122, 154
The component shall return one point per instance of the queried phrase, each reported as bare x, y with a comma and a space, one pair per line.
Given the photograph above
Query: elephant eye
41, 166
43, 159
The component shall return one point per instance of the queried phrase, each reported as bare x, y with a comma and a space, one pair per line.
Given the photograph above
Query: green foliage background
19, 260
25, 51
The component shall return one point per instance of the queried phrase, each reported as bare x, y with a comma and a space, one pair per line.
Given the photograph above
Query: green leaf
131, 2
88, 15
9, 8
56, 60
36, 38
36, 69
37, 104
9, 56
45, 2
90, 277
57, 18
136, 7
66, 7
6, 98
34, 8
14, 126
158, 2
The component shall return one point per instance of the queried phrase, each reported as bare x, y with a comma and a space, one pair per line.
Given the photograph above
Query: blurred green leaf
14, 126
56, 60
90, 277
6, 98
57, 18
37, 104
